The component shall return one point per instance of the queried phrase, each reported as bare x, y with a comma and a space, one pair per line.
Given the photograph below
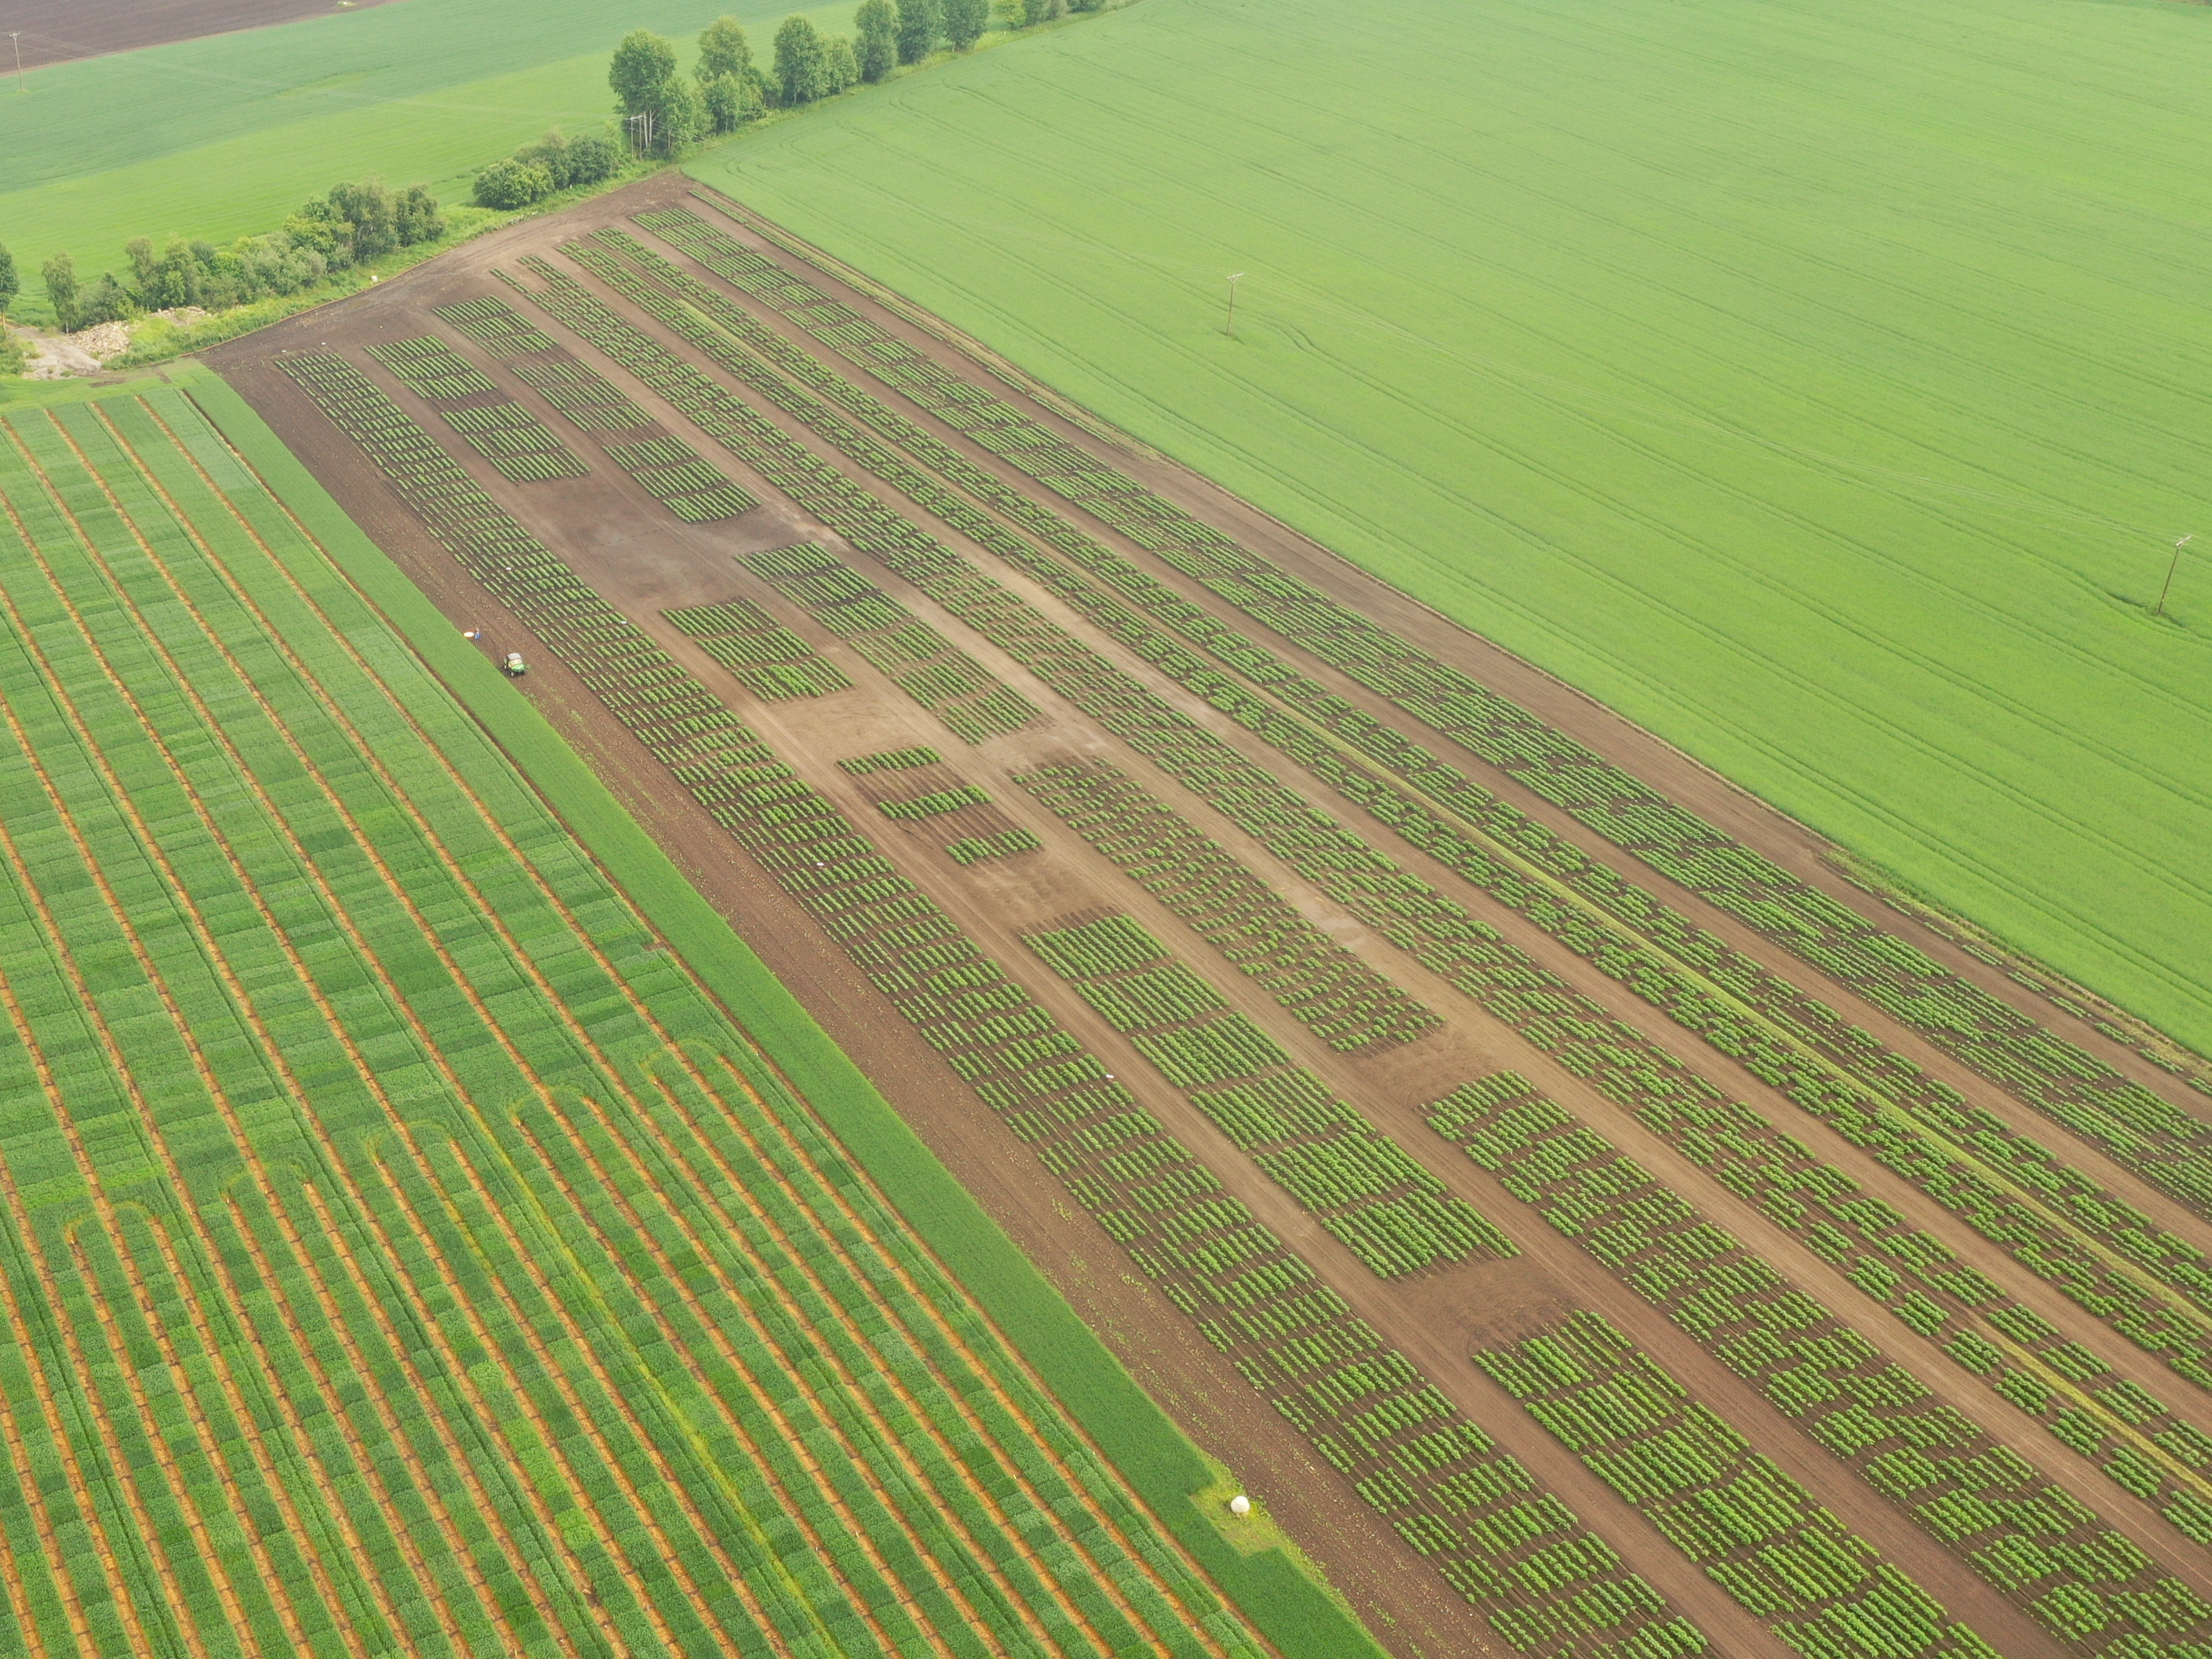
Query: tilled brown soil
613, 535
57, 31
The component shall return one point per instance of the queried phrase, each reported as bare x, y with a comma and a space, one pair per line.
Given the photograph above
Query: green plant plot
1638, 341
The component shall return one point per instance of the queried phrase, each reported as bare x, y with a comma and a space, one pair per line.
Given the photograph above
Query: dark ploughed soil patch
57, 31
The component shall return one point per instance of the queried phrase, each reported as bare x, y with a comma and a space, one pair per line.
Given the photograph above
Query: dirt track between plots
615, 536
59, 31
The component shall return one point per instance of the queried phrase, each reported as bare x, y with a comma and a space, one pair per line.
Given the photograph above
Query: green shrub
512, 184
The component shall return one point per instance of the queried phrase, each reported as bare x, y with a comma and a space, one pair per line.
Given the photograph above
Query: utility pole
2170, 570
1234, 277
640, 131
15, 38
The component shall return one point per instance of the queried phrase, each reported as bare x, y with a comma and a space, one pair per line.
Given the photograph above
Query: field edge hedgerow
1285, 1600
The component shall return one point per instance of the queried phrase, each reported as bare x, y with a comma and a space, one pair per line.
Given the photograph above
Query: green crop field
1823, 390
222, 137
399, 1252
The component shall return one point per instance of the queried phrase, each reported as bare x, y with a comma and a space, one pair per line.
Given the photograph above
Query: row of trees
664, 111
352, 224
553, 162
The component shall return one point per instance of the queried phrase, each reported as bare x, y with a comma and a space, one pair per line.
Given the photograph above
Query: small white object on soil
1240, 1506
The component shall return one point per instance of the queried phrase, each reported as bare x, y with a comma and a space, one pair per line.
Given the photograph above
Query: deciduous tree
876, 40
9, 285
643, 67
802, 70
415, 216
965, 21
919, 23
731, 103
369, 209
59, 274
723, 50
513, 183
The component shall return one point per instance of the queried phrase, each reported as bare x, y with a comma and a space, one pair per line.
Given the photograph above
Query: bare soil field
58, 31
721, 601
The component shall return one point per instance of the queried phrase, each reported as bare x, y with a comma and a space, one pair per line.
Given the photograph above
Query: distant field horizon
228, 133
1822, 393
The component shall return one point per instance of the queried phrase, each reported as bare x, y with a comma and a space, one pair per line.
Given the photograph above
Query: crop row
1005, 844
673, 473
1328, 988
888, 760
1753, 1528
1547, 1585
957, 1532
770, 661
2036, 1226
936, 803
914, 656
430, 369
1393, 1214
2076, 1575
1550, 1586
1519, 863
1569, 1025
2165, 1143
586, 397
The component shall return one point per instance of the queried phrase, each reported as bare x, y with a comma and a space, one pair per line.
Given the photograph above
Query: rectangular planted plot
673, 472
1007, 844
584, 395
497, 326
432, 369
516, 441
935, 804
774, 662
896, 760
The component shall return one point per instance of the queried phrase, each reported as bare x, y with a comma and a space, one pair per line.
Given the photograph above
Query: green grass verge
1299, 1613
1818, 389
